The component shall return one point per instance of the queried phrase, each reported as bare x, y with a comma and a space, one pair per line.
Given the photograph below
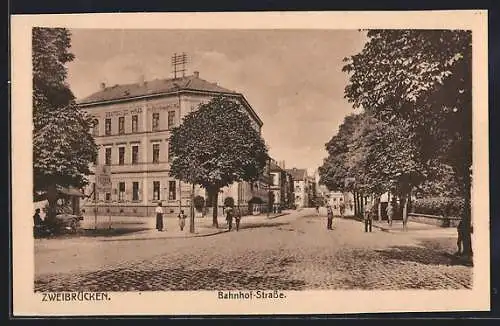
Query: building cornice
89, 105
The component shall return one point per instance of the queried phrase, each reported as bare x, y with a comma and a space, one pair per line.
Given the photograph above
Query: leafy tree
63, 147
199, 203
334, 170
421, 78
215, 146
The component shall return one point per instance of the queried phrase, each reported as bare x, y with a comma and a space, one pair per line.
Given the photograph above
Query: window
167, 152
156, 153
108, 196
156, 121
171, 119
108, 127
156, 190
95, 128
108, 156
171, 190
135, 120
135, 191
121, 191
135, 154
121, 155
121, 125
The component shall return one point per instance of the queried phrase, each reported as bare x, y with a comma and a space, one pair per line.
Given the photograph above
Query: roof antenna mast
179, 62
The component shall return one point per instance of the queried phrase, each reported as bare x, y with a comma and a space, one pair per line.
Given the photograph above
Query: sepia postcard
250, 163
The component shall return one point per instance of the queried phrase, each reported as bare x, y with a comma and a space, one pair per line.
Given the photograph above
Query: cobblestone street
291, 252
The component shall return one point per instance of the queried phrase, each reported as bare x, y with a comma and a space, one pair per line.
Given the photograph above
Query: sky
293, 79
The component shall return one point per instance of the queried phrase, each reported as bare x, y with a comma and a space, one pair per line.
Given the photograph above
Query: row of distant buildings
132, 129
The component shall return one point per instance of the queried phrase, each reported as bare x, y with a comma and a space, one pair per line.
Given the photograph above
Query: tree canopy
414, 88
217, 145
63, 147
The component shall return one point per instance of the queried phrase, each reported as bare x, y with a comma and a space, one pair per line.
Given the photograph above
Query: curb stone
196, 235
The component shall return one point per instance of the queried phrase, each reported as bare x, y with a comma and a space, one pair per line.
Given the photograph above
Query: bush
199, 203
229, 202
441, 206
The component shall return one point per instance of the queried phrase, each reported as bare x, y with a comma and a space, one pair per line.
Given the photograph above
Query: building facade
281, 185
300, 187
132, 129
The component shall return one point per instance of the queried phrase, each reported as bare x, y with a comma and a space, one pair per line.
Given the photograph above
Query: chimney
196, 74
103, 85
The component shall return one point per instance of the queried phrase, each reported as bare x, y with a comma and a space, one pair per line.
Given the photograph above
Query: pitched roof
157, 86
275, 167
298, 174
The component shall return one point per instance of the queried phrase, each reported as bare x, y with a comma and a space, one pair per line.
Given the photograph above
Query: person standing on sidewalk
237, 218
229, 217
460, 233
368, 217
159, 217
390, 213
329, 216
342, 209
182, 219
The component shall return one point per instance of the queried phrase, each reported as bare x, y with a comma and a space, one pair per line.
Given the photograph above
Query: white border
25, 302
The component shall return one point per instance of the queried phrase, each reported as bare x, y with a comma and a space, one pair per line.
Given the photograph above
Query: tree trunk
52, 199
405, 211
215, 203
191, 215
379, 208
362, 205
356, 204
354, 195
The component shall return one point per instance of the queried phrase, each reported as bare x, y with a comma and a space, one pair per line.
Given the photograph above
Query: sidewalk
203, 228
413, 227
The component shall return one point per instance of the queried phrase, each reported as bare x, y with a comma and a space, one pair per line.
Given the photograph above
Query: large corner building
133, 124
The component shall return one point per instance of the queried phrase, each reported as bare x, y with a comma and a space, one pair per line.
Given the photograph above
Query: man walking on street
329, 214
159, 217
367, 214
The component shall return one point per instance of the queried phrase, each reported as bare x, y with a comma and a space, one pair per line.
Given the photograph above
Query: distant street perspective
197, 160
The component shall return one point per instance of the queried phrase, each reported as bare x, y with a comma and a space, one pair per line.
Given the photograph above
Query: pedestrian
317, 209
390, 213
37, 219
229, 217
159, 217
237, 218
367, 215
460, 238
342, 209
182, 219
329, 215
